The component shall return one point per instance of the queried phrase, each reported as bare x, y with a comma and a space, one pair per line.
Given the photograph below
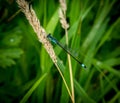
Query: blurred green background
27, 74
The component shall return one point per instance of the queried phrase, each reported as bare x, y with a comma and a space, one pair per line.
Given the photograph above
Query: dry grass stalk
62, 14
32, 18
63, 6
65, 25
34, 22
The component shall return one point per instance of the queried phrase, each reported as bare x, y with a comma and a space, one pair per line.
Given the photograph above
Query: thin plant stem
64, 80
70, 69
65, 25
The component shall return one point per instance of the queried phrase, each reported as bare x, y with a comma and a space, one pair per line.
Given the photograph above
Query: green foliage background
27, 73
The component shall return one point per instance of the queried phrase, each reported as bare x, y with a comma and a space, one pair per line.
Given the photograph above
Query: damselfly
65, 49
